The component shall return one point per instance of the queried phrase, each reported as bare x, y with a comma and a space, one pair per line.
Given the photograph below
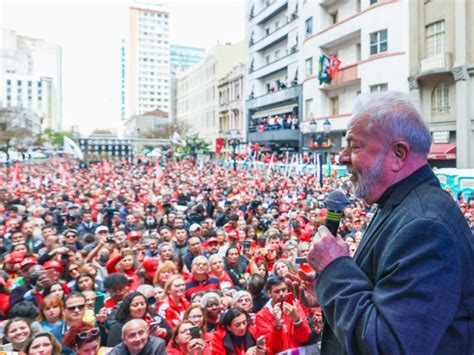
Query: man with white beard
410, 287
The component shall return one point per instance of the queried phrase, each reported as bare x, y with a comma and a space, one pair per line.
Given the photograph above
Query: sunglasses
73, 308
88, 334
71, 236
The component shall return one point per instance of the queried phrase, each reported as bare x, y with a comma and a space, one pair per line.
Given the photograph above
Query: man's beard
365, 180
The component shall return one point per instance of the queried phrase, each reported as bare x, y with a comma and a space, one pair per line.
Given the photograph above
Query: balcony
327, 3
289, 94
273, 8
275, 36
274, 135
276, 65
345, 76
437, 64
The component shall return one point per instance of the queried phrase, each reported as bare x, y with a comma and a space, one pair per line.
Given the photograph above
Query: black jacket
155, 346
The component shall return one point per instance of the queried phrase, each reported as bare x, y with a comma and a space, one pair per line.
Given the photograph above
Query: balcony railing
271, 8
272, 36
439, 61
275, 65
345, 76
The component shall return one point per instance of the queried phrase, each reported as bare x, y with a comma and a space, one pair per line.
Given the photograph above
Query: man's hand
290, 311
276, 311
101, 317
303, 287
326, 249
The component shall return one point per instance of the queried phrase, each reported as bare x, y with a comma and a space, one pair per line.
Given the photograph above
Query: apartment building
370, 38
273, 88
442, 77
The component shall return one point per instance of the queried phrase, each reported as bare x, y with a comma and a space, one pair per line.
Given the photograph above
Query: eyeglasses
197, 316
71, 236
78, 307
88, 334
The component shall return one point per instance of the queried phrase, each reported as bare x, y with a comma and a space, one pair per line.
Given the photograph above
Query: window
378, 42
308, 109
335, 105
435, 39
309, 26
373, 2
440, 99
308, 67
277, 54
379, 87
267, 58
333, 17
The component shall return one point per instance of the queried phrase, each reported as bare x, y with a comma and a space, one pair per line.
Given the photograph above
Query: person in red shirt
117, 286
200, 279
283, 315
125, 262
218, 271
173, 308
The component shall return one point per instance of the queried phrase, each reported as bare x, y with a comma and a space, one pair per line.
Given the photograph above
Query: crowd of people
135, 259
274, 122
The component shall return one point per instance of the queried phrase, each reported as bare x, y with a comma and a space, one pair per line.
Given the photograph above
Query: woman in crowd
173, 308
54, 288
164, 272
72, 272
282, 267
233, 267
134, 306
125, 262
43, 344
211, 306
84, 339
236, 335
195, 315
50, 312
183, 343
17, 332
218, 271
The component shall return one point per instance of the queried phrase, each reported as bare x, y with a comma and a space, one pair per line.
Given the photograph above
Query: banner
220, 143
177, 139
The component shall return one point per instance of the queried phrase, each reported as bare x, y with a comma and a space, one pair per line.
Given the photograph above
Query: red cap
150, 265
29, 261
53, 264
212, 240
134, 234
233, 234
14, 258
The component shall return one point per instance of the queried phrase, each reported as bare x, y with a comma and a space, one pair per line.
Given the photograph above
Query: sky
90, 33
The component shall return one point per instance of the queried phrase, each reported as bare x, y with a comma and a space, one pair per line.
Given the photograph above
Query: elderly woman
216, 262
211, 305
243, 300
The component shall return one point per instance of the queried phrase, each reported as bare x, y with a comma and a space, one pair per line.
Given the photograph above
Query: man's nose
344, 157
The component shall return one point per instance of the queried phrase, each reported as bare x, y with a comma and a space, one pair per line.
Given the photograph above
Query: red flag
334, 66
219, 145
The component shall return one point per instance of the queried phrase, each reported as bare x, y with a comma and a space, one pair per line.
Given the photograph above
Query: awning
274, 111
442, 151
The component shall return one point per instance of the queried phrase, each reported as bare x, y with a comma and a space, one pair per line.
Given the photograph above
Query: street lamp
234, 140
321, 142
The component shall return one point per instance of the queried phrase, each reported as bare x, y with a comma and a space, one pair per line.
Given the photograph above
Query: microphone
335, 202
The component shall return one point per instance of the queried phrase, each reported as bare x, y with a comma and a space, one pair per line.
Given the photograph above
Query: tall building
147, 54
183, 57
197, 89
31, 77
442, 77
273, 89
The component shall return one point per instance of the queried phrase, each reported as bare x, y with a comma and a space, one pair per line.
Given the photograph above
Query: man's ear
400, 150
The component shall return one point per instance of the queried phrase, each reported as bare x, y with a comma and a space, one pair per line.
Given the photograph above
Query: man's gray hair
209, 297
133, 323
165, 244
198, 259
392, 115
215, 256
144, 288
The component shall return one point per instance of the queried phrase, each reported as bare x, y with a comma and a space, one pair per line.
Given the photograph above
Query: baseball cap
14, 258
233, 234
29, 261
100, 229
212, 240
134, 234
53, 264
194, 227
150, 265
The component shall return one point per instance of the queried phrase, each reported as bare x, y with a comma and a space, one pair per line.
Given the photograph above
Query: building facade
197, 90
150, 122
231, 104
147, 59
370, 38
31, 77
273, 89
442, 77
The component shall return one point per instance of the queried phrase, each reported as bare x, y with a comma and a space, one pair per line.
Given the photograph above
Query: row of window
153, 14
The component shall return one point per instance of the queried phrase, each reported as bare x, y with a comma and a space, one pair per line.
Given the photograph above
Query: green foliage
194, 145
55, 138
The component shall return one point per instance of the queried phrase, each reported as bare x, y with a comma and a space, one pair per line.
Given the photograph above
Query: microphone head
336, 201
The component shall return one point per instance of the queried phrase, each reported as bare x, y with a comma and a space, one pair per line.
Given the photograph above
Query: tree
12, 134
194, 145
56, 138
166, 131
